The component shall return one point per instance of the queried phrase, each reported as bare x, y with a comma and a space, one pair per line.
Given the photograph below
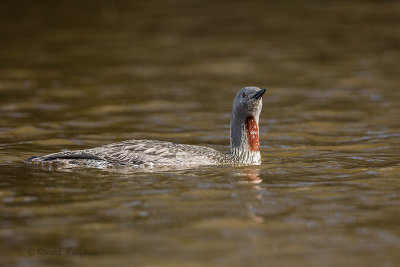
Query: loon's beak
259, 94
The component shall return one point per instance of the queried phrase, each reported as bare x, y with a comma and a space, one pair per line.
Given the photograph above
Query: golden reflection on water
88, 73
253, 175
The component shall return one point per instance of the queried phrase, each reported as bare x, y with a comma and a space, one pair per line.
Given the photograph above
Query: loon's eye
244, 95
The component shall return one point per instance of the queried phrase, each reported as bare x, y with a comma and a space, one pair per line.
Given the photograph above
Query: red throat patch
252, 133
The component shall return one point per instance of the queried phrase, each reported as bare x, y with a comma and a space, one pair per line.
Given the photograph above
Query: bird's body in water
151, 154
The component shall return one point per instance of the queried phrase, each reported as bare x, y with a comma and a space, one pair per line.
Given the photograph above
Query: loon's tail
32, 158
70, 159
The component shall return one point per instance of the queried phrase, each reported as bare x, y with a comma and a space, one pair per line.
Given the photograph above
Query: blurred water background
79, 74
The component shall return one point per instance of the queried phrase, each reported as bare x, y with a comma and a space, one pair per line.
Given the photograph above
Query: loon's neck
245, 143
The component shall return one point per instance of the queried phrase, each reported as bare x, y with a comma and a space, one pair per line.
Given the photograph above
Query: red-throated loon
151, 154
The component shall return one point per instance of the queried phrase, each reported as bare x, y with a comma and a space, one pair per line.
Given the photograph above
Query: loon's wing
135, 153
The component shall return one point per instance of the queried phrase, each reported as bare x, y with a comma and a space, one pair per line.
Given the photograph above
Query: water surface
76, 75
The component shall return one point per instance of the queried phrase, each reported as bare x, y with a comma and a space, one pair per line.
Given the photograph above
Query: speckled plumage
151, 154
143, 154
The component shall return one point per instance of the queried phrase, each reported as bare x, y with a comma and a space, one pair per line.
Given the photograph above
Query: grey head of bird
248, 102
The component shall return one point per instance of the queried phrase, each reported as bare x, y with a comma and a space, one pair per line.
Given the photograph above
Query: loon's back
140, 154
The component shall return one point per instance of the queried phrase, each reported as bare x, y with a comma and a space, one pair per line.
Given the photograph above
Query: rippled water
75, 75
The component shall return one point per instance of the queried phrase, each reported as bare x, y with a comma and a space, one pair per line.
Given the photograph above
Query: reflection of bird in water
149, 154
252, 195
253, 175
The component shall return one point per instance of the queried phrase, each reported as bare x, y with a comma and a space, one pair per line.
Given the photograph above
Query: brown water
79, 74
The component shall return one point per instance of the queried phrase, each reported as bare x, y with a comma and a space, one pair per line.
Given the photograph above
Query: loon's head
248, 102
